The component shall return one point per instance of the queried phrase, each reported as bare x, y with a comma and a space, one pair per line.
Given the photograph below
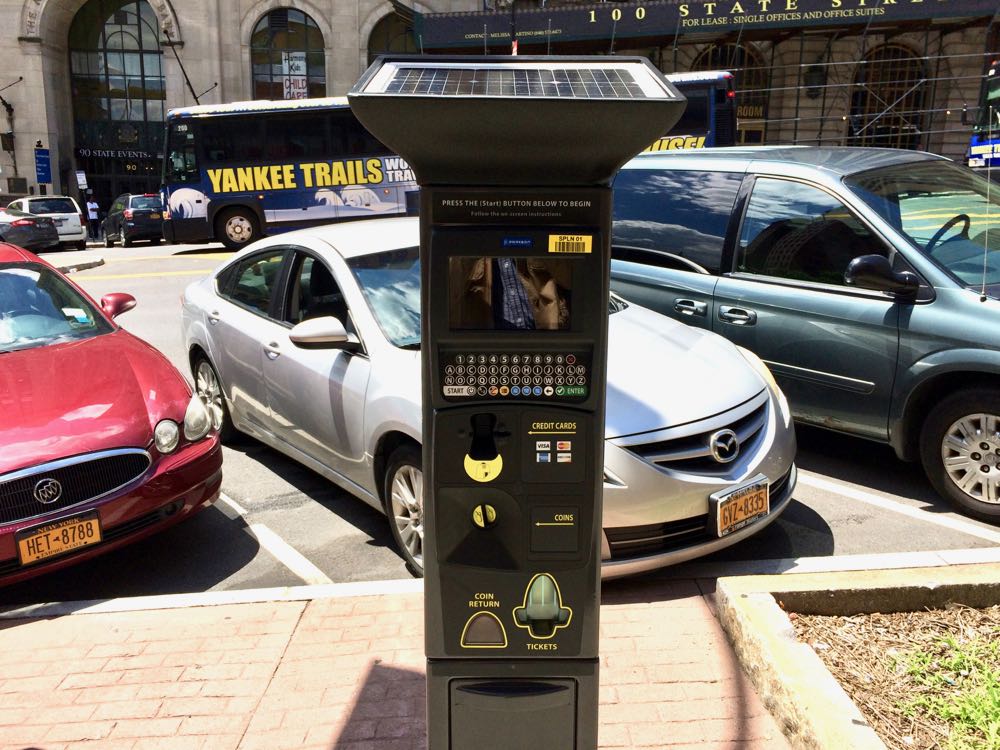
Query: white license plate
736, 509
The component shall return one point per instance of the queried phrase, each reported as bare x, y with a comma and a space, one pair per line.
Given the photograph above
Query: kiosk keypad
560, 375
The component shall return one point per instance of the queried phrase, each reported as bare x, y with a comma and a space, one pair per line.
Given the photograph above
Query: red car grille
41, 490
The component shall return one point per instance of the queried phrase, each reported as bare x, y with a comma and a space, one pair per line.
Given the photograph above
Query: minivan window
946, 211
677, 211
796, 231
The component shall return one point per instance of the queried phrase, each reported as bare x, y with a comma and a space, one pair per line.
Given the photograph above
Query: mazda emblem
725, 446
47, 491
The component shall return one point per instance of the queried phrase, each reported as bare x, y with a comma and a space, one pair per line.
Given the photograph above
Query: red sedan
101, 440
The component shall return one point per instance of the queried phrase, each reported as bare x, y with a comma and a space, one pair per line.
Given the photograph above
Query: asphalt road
280, 524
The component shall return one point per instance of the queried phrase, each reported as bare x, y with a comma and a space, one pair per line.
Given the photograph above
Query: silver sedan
309, 342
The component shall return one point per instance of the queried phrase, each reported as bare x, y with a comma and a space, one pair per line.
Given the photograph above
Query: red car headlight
166, 436
197, 420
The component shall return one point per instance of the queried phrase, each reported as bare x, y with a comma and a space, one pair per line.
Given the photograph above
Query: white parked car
689, 415
65, 214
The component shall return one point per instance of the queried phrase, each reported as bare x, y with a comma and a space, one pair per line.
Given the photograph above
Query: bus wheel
235, 227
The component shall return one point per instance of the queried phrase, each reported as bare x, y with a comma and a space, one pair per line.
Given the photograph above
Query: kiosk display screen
510, 293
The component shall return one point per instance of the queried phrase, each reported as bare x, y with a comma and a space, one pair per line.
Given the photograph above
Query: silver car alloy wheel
208, 390
239, 228
408, 511
970, 452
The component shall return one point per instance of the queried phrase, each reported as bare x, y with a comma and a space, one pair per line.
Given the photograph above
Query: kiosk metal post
514, 156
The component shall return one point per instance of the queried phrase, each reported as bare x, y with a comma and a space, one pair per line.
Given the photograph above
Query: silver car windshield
390, 282
948, 212
38, 308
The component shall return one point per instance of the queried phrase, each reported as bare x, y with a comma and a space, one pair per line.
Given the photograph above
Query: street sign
43, 167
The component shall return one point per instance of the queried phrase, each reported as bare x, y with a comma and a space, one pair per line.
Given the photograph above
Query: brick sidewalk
344, 673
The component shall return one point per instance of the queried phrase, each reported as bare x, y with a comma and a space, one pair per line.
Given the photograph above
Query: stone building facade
91, 80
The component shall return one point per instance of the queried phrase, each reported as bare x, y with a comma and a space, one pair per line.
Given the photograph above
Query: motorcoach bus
984, 146
236, 172
710, 116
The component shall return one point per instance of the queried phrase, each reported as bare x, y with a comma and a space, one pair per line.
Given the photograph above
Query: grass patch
960, 681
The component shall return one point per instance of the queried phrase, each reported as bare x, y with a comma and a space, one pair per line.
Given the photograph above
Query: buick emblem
47, 491
725, 446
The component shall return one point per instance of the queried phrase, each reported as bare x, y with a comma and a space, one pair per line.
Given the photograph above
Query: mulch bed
864, 653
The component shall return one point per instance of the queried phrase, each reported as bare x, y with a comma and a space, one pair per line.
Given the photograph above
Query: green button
576, 390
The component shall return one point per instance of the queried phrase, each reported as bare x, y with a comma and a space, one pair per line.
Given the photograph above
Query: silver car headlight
197, 420
758, 365
166, 436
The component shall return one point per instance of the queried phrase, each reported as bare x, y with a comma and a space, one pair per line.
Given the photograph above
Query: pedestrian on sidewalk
93, 217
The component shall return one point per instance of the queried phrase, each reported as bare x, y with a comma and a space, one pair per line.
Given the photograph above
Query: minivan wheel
108, 242
235, 227
960, 451
404, 504
209, 389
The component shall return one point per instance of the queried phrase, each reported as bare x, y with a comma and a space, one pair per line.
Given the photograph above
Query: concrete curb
793, 683
81, 266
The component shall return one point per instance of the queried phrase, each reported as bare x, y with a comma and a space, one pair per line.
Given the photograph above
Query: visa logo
518, 242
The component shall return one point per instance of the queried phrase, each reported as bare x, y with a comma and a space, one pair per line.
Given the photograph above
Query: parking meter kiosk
514, 157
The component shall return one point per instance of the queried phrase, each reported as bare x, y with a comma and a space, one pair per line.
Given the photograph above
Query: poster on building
293, 72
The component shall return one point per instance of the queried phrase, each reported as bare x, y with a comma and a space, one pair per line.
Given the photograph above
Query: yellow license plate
57, 538
154, 216
738, 508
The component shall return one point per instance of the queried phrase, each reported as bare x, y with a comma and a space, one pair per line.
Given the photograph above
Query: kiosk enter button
555, 529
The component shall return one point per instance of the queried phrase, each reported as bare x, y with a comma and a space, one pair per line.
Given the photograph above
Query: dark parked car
31, 232
103, 442
133, 217
867, 279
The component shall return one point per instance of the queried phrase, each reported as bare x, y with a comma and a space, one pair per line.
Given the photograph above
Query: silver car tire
209, 389
404, 505
960, 451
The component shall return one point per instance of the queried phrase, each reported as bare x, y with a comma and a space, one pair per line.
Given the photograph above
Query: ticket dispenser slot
514, 159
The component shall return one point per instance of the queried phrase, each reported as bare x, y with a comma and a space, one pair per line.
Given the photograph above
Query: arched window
751, 80
887, 100
118, 95
287, 57
391, 34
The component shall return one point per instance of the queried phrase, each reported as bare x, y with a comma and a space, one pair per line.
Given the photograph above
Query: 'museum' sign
657, 18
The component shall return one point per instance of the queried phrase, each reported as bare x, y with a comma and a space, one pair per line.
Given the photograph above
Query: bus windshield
989, 108
236, 172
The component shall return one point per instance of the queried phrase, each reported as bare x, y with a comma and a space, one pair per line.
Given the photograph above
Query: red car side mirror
116, 303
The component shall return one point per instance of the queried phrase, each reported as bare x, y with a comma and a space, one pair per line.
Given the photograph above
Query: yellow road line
196, 256
150, 275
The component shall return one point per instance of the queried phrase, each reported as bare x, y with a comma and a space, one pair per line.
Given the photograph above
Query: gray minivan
867, 279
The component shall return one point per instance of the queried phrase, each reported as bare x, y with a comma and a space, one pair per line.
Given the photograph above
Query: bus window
295, 138
181, 164
352, 138
231, 141
695, 118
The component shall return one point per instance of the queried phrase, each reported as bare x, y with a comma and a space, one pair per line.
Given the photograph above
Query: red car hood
99, 393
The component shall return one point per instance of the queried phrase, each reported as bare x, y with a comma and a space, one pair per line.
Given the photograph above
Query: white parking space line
281, 550
964, 527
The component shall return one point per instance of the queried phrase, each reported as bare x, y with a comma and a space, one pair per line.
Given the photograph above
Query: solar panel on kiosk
559, 83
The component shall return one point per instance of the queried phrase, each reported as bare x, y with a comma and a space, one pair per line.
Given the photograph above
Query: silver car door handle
737, 316
690, 307
272, 350
213, 317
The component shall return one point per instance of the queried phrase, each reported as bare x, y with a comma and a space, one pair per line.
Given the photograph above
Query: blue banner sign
43, 167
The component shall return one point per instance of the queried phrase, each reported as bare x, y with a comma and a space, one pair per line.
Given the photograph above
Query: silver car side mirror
325, 332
